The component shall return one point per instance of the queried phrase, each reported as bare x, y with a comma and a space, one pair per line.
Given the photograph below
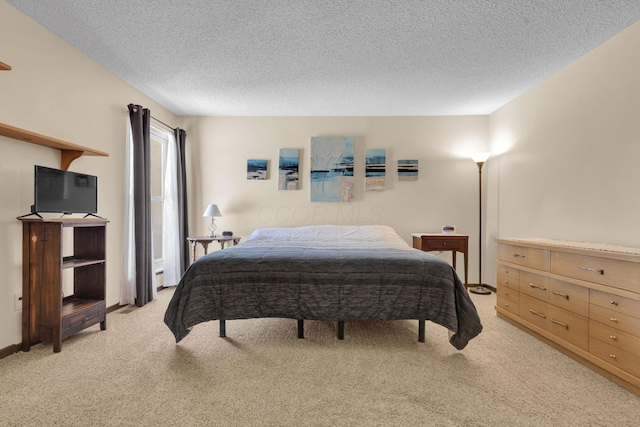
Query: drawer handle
613, 356
506, 282
614, 302
537, 287
594, 270
613, 319
515, 255
506, 292
506, 305
564, 325
538, 314
506, 272
613, 337
560, 294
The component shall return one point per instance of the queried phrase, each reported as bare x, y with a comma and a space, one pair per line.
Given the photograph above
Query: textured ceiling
333, 57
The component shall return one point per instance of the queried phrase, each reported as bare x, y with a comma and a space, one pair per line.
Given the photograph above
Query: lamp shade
480, 157
211, 211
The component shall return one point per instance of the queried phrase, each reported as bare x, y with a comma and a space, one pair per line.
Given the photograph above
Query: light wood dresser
583, 299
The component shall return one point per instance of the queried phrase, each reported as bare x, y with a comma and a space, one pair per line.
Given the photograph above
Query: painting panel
375, 170
288, 164
408, 170
256, 169
331, 169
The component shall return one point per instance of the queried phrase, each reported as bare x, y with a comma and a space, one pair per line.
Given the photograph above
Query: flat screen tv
64, 192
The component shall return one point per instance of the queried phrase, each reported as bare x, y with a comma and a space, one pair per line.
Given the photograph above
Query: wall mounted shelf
4, 67
68, 151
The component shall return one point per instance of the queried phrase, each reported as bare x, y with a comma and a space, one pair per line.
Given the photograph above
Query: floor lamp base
480, 290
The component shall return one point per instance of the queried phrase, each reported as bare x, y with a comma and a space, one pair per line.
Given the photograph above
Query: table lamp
212, 211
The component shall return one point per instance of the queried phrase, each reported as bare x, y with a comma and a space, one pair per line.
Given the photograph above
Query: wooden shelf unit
47, 315
68, 151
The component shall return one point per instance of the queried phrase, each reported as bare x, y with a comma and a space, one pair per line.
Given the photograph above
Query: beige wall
445, 193
569, 151
57, 91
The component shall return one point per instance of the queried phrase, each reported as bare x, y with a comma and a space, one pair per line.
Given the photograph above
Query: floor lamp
480, 158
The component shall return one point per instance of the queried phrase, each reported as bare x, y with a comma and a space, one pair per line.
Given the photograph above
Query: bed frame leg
340, 329
223, 328
300, 328
421, 330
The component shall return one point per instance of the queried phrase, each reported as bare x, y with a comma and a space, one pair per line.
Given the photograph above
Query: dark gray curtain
140, 128
183, 215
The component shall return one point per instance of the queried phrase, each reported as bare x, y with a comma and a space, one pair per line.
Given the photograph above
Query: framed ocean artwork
331, 169
288, 164
408, 170
375, 170
257, 169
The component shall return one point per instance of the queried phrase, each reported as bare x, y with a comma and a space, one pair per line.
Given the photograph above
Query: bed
325, 272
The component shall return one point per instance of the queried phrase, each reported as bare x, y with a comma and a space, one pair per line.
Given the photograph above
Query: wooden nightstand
445, 242
205, 240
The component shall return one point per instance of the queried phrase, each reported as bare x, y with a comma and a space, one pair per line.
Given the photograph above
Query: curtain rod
161, 122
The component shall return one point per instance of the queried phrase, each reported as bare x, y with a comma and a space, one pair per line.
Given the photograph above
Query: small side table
444, 242
205, 240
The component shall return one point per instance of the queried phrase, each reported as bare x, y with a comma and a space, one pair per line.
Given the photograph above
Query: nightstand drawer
441, 244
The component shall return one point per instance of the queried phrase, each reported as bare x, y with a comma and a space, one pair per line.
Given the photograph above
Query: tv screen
65, 192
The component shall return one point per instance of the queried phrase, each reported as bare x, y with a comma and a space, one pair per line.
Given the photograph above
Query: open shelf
72, 262
68, 151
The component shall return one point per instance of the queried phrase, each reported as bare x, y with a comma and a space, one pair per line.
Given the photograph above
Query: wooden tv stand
48, 315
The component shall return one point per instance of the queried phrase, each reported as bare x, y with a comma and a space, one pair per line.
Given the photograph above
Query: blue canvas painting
288, 169
256, 169
331, 169
408, 170
375, 170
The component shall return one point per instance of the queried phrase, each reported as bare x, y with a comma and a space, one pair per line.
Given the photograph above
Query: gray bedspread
246, 281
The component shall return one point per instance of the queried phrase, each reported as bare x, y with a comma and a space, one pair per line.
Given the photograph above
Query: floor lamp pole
480, 158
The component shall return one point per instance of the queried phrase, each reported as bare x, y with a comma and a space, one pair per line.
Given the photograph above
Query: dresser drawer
535, 285
569, 296
508, 303
512, 273
619, 358
569, 326
528, 257
614, 319
615, 337
616, 273
506, 280
616, 303
82, 319
533, 311
508, 293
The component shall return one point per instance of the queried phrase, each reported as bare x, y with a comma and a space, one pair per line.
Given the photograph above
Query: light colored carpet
262, 375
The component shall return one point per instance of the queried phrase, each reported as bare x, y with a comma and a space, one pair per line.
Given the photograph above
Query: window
158, 154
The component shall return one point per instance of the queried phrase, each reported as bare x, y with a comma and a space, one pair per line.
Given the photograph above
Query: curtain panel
139, 251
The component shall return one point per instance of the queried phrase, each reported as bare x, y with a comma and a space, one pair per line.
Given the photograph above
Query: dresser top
602, 247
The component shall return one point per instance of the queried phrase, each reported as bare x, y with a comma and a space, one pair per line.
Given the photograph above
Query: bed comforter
323, 273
